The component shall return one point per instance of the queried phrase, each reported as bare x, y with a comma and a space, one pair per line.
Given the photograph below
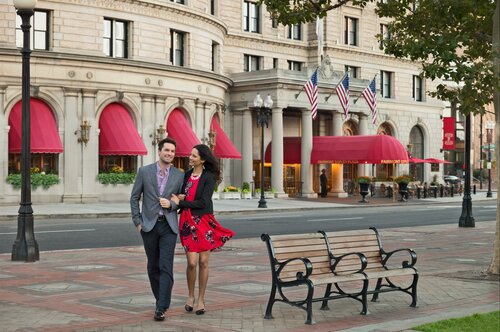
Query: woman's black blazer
202, 203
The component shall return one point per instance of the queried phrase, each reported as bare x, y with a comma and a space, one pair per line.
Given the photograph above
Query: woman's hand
165, 203
175, 199
181, 196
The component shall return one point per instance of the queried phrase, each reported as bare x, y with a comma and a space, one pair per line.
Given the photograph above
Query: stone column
160, 113
337, 169
73, 150
198, 118
148, 130
363, 169
277, 152
90, 156
305, 159
246, 147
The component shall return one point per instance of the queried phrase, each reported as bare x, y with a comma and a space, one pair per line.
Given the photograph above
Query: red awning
436, 161
44, 135
374, 149
179, 129
118, 135
416, 160
224, 148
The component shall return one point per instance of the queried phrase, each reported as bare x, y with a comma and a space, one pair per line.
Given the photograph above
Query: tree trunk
495, 262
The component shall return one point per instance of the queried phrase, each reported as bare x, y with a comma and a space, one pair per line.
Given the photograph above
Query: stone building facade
189, 63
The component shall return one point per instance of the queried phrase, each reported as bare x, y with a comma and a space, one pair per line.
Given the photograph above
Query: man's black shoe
159, 315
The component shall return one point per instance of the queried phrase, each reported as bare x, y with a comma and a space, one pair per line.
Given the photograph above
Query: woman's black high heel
188, 307
200, 311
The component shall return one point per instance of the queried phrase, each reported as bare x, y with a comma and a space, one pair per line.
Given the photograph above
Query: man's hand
139, 227
175, 199
165, 203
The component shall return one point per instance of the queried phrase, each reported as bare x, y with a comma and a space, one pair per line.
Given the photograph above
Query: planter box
215, 196
246, 195
267, 195
230, 195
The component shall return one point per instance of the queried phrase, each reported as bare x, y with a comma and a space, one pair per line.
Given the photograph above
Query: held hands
165, 203
181, 196
176, 198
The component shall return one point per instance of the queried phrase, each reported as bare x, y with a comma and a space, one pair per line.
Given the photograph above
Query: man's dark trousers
159, 244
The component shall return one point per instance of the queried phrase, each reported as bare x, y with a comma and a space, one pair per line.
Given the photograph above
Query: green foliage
116, 178
300, 11
364, 179
405, 178
477, 322
245, 186
37, 180
452, 40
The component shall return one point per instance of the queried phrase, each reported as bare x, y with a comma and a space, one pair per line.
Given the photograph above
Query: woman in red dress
200, 233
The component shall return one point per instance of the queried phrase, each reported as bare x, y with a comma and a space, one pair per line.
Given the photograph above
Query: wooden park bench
305, 260
380, 266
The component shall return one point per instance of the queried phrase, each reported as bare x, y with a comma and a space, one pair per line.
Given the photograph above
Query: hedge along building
178, 65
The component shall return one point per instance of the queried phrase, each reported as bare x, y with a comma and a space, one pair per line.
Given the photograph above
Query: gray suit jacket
146, 185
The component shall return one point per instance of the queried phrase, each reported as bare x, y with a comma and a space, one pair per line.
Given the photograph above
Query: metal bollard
451, 190
435, 192
418, 192
425, 192
474, 189
441, 191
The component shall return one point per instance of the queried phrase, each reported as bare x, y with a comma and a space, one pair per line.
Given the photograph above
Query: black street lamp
25, 247
489, 129
466, 218
263, 113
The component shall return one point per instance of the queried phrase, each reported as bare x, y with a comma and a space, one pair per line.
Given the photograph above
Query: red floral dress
200, 233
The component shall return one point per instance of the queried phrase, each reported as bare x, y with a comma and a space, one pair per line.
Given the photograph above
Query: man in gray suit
157, 220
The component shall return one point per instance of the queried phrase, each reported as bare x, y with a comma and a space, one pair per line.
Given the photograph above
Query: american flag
343, 93
311, 88
370, 94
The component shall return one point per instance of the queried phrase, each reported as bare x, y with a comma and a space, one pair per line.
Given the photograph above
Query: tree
452, 40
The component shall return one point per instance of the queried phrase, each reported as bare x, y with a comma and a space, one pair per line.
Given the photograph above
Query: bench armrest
308, 267
387, 255
337, 259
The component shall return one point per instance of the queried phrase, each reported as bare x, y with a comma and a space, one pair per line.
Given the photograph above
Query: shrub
364, 179
403, 179
37, 180
116, 178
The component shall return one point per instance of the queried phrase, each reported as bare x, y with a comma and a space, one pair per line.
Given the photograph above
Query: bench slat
301, 248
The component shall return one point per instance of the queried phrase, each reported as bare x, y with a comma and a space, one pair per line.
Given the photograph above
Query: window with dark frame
115, 38
351, 31
417, 88
126, 164
182, 2
177, 46
384, 32
39, 34
274, 23
215, 56
294, 65
386, 84
212, 7
40, 162
251, 62
295, 32
352, 70
275, 62
251, 17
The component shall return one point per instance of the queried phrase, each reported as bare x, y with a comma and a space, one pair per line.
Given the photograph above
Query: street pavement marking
281, 215
58, 231
335, 219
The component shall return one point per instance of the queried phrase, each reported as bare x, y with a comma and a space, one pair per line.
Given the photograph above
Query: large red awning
179, 129
44, 135
224, 148
118, 135
373, 149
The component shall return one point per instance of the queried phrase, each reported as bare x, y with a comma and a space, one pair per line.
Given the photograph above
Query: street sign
491, 146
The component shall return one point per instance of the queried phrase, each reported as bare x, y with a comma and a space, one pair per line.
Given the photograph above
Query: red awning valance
224, 148
44, 135
118, 135
374, 149
179, 129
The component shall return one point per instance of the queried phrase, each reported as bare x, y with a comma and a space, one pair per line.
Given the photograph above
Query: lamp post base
262, 203
25, 247
466, 219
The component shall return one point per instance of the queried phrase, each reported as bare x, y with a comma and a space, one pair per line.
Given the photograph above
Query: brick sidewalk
107, 289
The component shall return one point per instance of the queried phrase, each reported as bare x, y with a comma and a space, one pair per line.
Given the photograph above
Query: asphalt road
64, 234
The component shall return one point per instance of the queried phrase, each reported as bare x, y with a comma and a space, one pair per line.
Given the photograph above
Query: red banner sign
448, 133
